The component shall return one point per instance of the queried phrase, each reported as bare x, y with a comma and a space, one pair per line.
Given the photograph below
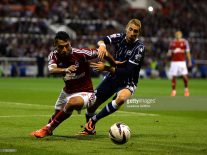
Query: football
119, 133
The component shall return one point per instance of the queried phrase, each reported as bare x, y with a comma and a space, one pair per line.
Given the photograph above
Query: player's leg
185, 80
89, 114
59, 105
74, 102
173, 72
53, 115
103, 92
110, 108
173, 85
184, 73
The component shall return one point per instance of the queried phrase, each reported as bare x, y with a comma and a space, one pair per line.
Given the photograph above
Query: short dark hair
62, 35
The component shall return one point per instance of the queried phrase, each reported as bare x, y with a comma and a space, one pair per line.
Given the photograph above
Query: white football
119, 133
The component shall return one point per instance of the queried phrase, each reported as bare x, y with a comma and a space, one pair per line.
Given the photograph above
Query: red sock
185, 80
53, 116
59, 118
173, 83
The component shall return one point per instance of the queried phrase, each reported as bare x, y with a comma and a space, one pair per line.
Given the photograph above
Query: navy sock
89, 115
107, 110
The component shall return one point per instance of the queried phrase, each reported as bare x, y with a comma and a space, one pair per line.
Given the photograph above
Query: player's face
132, 32
63, 47
178, 35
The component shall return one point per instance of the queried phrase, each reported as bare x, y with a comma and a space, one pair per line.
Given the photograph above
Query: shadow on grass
79, 137
67, 137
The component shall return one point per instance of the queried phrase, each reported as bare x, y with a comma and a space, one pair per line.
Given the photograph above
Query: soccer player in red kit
78, 92
178, 50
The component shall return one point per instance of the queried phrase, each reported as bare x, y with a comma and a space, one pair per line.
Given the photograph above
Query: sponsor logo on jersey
129, 52
178, 50
138, 56
114, 35
72, 76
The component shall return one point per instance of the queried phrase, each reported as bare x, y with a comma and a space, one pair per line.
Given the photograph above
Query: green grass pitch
27, 103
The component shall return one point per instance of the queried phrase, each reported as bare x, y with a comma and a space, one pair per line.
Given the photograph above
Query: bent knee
123, 96
72, 101
121, 99
75, 102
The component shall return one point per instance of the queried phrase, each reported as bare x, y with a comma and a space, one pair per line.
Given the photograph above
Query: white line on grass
138, 113
26, 104
124, 113
113, 115
14, 116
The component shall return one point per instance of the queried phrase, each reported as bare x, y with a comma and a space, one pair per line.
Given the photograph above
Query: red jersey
80, 80
178, 48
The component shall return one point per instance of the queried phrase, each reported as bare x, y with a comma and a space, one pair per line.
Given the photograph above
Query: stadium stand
27, 28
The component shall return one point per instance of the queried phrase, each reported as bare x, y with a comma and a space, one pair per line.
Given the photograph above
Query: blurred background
27, 29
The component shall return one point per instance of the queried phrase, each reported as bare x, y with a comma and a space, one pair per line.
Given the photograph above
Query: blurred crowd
25, 27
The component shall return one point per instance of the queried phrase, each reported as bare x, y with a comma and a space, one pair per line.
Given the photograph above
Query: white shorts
178, 68
89, 99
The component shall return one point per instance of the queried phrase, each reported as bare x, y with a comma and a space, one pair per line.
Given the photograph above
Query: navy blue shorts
108, 87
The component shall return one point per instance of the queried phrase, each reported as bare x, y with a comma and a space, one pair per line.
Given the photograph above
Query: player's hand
100, 66
71, 68
102, 52
189, 64
169, 54
120, 62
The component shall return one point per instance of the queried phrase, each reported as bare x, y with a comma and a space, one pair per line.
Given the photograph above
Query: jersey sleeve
170, 47
187, 46
137, 56
87, 53
52, 59
112, 39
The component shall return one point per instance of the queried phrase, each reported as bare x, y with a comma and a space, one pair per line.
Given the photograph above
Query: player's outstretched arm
108, 57
101, 66
104, 54
102, 51
189, 59
53, 69
169, 53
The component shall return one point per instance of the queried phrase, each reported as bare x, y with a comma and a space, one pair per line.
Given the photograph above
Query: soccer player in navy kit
122, 79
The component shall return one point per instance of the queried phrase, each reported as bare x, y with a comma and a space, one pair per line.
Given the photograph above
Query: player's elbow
51, 70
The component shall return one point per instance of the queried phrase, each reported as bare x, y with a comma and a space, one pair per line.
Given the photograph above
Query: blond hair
136, 22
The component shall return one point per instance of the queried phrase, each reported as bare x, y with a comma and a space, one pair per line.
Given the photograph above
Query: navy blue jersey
132, 52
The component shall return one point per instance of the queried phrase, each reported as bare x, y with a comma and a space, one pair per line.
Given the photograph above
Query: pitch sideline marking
10, 116
138, 113
26, 104
40, 105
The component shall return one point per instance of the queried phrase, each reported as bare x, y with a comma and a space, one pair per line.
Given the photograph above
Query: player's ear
140, 31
